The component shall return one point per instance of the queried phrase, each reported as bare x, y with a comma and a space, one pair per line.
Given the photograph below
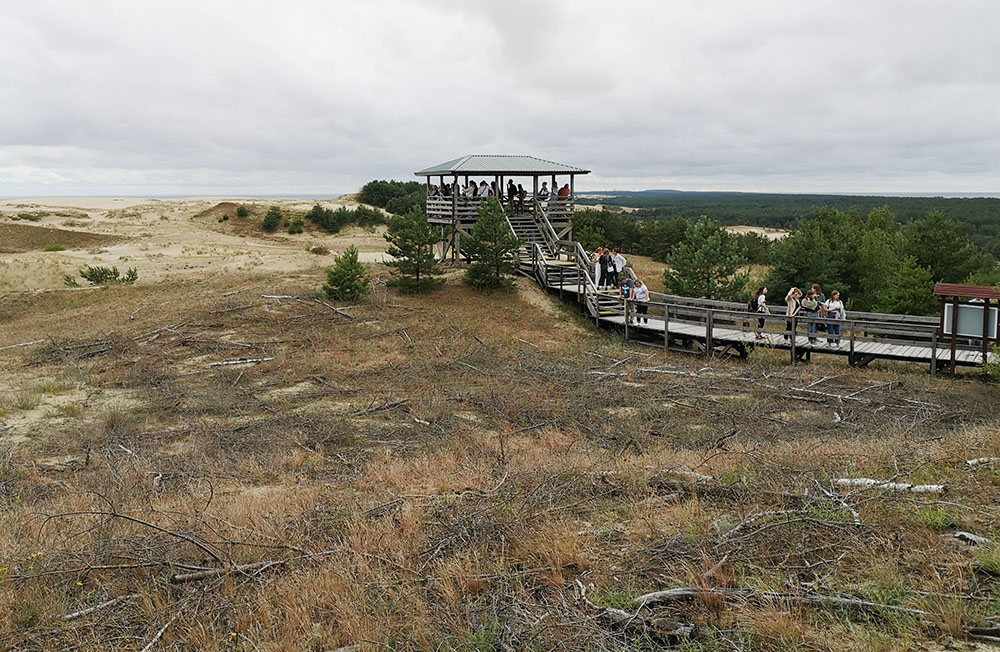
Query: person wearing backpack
811, 307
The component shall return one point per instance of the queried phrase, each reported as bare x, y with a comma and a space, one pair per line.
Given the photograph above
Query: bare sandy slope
166, 238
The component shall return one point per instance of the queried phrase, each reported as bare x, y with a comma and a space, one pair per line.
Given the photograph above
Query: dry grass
16, 238
439, 473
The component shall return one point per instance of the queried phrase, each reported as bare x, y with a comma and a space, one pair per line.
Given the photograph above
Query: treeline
875, 262
654, 238
980, 216
397, 197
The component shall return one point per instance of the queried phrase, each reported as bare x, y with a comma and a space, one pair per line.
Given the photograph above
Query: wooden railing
917, 341
467, 208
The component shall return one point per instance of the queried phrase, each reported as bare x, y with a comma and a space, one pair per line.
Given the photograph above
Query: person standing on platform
625, 294
605, 263
760, 306
618, 263
812, 309
596, 259
792, 308
640, 294
511, 194
834, 310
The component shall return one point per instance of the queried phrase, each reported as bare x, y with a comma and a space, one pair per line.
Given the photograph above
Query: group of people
813, 305
608, 267
608, 264
516, 194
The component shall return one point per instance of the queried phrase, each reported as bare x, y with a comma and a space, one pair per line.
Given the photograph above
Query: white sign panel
970, 320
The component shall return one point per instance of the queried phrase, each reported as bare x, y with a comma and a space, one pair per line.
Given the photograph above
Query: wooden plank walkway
875, 336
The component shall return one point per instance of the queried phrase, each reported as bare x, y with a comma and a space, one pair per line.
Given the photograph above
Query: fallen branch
979, 461
892, 486
240, 361
258, 567
17, 346
650, 600
218, 312
339, 311
98, 607
380, 408
665, 630
159, 634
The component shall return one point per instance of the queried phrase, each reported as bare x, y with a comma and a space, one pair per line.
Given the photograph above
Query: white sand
165, 239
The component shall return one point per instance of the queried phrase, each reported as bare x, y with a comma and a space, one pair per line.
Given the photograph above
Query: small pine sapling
348, 279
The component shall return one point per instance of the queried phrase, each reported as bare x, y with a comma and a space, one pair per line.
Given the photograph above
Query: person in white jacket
618, 263
834, 309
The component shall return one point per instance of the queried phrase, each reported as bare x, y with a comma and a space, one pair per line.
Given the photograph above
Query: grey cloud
309, 96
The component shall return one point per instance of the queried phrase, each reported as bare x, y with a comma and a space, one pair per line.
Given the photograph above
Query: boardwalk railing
713, 328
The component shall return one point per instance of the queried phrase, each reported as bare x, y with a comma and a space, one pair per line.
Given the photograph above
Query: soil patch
18, 238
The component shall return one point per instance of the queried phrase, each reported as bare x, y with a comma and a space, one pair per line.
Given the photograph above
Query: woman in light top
792, 307
596, 259
760, 303
835, 310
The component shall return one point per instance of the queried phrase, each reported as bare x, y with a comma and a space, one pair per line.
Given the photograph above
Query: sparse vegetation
465, 470
100, 275
319, 250
242, 211
54, 247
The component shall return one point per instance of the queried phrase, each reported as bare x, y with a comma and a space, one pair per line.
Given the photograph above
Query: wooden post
934, 339
850, 356
560, 282
534, 196
626, 320
708, 333
954, 333
986, 329
794, 329
666, 326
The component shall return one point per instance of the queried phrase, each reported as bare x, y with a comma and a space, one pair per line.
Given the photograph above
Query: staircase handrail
548, 233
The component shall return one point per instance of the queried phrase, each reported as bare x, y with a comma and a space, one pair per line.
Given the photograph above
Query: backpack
752, 305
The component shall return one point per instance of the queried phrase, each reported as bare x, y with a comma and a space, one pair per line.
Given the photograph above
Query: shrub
348, 279
295, 225
319, 250
272, 220
54, 247
98, 275
992, 368
334, 220
242, 211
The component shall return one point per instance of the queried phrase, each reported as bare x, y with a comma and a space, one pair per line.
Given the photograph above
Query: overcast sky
250, 97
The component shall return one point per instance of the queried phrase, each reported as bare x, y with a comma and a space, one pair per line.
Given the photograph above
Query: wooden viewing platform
708, 327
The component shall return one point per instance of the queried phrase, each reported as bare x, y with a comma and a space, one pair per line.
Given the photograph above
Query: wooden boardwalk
724, 328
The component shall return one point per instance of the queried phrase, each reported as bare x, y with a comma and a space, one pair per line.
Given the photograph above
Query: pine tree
411, 241
911, 291
272, 220
708, 264
492, 248
348, 279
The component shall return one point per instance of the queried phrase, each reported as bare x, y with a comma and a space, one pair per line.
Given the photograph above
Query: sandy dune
166, 238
